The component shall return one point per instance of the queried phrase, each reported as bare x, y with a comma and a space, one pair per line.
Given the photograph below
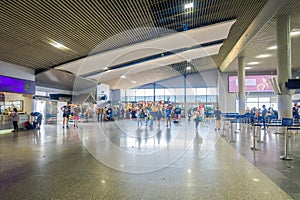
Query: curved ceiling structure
92, 38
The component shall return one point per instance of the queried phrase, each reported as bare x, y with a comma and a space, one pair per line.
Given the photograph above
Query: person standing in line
15, 116
264, 115
66, 113
39, 118
217, 114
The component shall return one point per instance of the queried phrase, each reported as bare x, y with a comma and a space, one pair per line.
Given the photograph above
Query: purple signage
260, 83
9, 84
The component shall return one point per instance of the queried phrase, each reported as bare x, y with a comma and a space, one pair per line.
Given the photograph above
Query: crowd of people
145, 114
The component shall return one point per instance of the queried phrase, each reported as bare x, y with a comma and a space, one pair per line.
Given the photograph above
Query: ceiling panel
97, 26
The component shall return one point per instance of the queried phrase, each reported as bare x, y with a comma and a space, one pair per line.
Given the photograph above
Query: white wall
226, 99
203, 79
16, 71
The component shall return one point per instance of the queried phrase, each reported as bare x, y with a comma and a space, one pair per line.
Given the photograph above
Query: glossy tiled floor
119, 160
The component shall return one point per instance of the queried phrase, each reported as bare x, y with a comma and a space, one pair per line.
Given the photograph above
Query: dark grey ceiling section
65, 81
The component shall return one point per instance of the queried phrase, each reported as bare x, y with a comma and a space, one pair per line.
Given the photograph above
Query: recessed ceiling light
253, 63
58, 45
188, 5
123, 76
188, 68
247, 68
272, 47
295, 32
133, 81
264, 56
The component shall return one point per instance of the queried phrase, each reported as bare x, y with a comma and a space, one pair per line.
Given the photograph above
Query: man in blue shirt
264, 114
217, 114
39, 118
168, 115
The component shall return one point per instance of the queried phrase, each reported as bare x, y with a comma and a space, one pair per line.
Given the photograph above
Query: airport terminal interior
150, 99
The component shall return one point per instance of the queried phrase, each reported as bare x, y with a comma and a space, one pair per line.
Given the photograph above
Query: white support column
241, 81
284, 70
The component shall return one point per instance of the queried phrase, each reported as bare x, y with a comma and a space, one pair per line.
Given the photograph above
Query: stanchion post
259, 136
231, 135
254, 142
286, 146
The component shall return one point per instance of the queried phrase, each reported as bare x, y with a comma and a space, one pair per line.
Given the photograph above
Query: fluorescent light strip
253, 63
264, 56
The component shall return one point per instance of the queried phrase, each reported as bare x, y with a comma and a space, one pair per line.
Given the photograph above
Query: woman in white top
15, 116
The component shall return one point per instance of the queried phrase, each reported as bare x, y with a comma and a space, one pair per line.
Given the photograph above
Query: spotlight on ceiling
272, 47
188, 68
264, 56
57, 45
253, 63
188, 5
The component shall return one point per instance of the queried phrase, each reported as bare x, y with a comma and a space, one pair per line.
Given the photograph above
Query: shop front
15, 93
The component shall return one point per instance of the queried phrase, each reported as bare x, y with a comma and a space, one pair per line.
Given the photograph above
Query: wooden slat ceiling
88, 26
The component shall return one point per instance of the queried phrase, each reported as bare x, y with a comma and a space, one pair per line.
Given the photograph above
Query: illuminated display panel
259, 83
9, 84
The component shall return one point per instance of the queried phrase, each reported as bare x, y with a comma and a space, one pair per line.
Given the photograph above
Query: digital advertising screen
258, 83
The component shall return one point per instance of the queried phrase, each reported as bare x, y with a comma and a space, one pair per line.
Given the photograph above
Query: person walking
66, 113
168, 116
196, 117
217, 114
76, 111
15, 116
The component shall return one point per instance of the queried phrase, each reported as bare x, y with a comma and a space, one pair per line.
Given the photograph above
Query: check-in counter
7, 123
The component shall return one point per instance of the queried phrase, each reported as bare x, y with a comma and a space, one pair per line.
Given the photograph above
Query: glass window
179, 91
212, 98
149, 98
264, 99
179, 98
201, 98
191, 91
140, 98
212, 91
252, 100
159, 92
191, 98
130, 92
122, 98
130, 98
169, 91
252, 105
170, 98
159, 98
122, 93
140, 92
149, 92
201, 91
